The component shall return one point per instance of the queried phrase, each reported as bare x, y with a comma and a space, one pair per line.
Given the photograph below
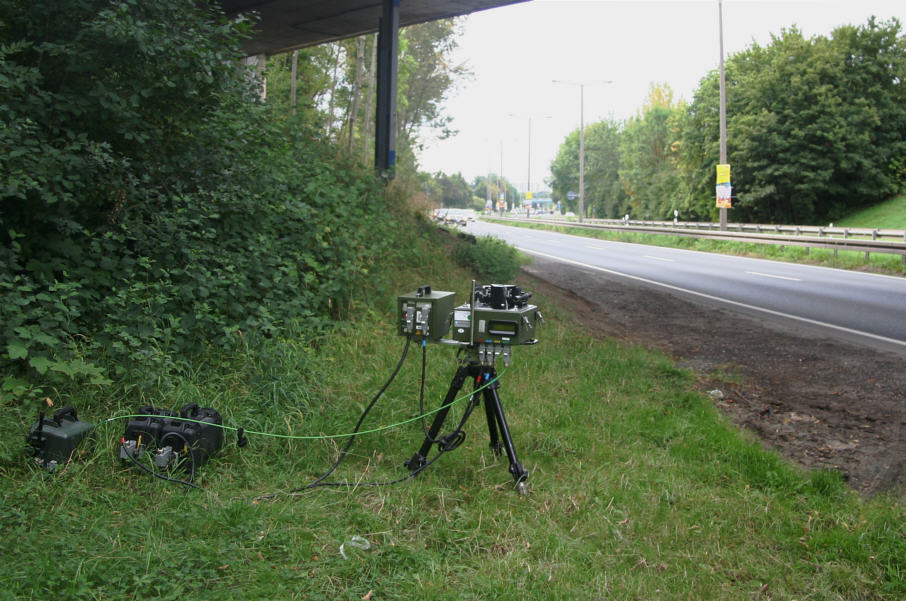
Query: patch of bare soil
821, 402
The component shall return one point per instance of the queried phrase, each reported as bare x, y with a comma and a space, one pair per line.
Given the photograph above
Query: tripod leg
495, 444
520, 475
420, 458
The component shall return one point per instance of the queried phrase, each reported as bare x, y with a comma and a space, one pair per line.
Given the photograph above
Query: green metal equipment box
495, 326
425, 313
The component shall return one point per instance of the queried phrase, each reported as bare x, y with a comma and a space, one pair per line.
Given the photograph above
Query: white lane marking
771, 275
719, 299
658, 258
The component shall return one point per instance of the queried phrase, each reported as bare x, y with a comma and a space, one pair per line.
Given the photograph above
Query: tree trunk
333, 89
356, 90
292, 83
369, 106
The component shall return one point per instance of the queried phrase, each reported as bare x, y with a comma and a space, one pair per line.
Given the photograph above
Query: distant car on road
456, 217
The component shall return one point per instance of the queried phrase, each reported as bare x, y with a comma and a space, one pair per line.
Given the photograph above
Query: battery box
53, 440
425, 313
192, 434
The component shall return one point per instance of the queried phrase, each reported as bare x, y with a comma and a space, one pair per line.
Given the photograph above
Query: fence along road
863, 307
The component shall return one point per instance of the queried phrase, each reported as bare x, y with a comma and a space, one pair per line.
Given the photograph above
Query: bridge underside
290, 24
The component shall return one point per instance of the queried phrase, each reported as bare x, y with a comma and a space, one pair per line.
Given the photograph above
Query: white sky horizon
516, 51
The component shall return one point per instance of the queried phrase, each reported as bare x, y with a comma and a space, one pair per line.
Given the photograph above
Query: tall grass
639, 489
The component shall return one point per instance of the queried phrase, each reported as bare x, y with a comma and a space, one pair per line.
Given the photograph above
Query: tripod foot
417, 462
521, 488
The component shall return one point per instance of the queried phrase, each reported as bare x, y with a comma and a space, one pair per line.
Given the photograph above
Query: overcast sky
516, 51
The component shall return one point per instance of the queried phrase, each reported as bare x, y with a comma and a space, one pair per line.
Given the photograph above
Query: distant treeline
816, 128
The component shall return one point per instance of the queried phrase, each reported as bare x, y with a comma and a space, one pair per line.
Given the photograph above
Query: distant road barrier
835, 238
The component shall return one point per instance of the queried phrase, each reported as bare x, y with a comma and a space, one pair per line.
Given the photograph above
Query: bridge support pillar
387, 66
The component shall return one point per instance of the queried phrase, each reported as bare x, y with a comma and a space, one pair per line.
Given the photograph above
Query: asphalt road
859, 307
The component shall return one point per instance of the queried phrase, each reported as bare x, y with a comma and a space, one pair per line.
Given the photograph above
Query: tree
816, 127
604, 194
494, 185
649, 156
336, 82
455, 191
427, 75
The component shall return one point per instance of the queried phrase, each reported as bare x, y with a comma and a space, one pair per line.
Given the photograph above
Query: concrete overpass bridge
286, 25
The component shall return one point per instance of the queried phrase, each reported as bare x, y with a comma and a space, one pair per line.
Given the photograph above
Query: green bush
150, 206
490, 257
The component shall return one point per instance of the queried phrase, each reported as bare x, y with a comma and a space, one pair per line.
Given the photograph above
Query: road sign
572, 195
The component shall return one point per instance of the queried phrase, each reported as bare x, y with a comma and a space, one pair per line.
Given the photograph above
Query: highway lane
860, 306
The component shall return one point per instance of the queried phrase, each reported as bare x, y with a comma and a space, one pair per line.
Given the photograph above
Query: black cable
188, 448
160, 476
444, 447
355, 430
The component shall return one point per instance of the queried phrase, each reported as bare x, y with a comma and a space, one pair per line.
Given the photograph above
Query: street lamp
581, 141
723, 106
528, 182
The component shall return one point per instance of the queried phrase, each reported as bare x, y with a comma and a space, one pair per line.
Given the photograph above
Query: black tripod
485, 378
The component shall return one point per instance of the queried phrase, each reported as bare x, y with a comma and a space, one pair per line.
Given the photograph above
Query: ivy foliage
150, 205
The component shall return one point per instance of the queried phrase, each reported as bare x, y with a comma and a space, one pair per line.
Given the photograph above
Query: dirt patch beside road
821, 402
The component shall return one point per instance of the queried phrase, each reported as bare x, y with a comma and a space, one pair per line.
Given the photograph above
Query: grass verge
639, 488
843, 259
887, 215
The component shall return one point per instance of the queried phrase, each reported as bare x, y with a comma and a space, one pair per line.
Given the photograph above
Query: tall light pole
528, 181
581, 142
723, 106
528, 177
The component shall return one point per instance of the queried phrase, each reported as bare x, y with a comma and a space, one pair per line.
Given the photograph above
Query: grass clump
639, 488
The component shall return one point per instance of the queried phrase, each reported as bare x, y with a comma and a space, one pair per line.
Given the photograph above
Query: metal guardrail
885, 241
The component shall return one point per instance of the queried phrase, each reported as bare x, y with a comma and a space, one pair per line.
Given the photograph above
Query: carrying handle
65, 412
190, 410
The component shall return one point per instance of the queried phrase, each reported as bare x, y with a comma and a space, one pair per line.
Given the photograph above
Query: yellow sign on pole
723, 174
529, 196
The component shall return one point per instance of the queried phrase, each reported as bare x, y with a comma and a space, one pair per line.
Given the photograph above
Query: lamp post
723, 106
581, 142
528, 181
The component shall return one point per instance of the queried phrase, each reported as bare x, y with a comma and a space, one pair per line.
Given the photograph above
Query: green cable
323, 436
